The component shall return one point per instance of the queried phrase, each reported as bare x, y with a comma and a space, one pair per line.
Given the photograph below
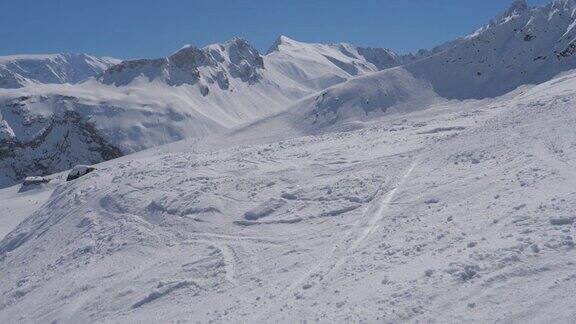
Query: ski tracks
227, 245
382, 207
341, 251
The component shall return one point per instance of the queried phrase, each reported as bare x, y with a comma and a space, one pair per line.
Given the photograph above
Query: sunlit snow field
463, 211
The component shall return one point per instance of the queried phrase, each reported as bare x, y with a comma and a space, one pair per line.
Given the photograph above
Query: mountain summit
517, 7
215, 63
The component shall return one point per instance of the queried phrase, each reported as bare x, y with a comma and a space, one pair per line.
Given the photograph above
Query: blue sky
134, 29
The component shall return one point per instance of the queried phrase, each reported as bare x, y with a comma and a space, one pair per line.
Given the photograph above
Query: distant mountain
309, 66
66, 140
19, 70
321, 65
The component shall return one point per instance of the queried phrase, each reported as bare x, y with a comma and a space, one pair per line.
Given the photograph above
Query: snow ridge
19, 70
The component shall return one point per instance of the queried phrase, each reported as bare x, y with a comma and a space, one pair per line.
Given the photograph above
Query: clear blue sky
134, 29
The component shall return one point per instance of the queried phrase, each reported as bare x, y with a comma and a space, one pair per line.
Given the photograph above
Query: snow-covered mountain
20, 70
319, 66
463, 212
194, 92
521, 46
214, 64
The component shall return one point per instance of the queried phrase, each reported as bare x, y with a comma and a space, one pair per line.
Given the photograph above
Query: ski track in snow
382, 207
332, 260
229, 258
228, 245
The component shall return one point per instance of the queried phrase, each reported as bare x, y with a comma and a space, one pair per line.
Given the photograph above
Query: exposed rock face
517, 7
383, 58
66, 140
79, 171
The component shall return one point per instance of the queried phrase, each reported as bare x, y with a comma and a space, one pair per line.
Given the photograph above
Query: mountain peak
285, 39
238, 41
517, 7
281, 40
240, 52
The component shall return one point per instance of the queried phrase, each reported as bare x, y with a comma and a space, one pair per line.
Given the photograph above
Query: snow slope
16, 206
319, 66
347, 105
20, 70
463, 212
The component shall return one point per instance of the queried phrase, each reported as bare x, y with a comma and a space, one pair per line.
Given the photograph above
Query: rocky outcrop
67, 140
215, 63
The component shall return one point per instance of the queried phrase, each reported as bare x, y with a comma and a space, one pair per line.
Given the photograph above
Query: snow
320, 65
16, 205
20, 70
315, 183
374, 224
361, 98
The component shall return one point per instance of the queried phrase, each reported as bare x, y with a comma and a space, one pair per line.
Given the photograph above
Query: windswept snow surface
464, 212
323, 183
15, 206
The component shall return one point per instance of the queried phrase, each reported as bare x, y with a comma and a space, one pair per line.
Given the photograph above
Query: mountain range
112, 108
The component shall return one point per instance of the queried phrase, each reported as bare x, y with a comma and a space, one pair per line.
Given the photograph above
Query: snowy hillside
463, 212
20, 70
195, 92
